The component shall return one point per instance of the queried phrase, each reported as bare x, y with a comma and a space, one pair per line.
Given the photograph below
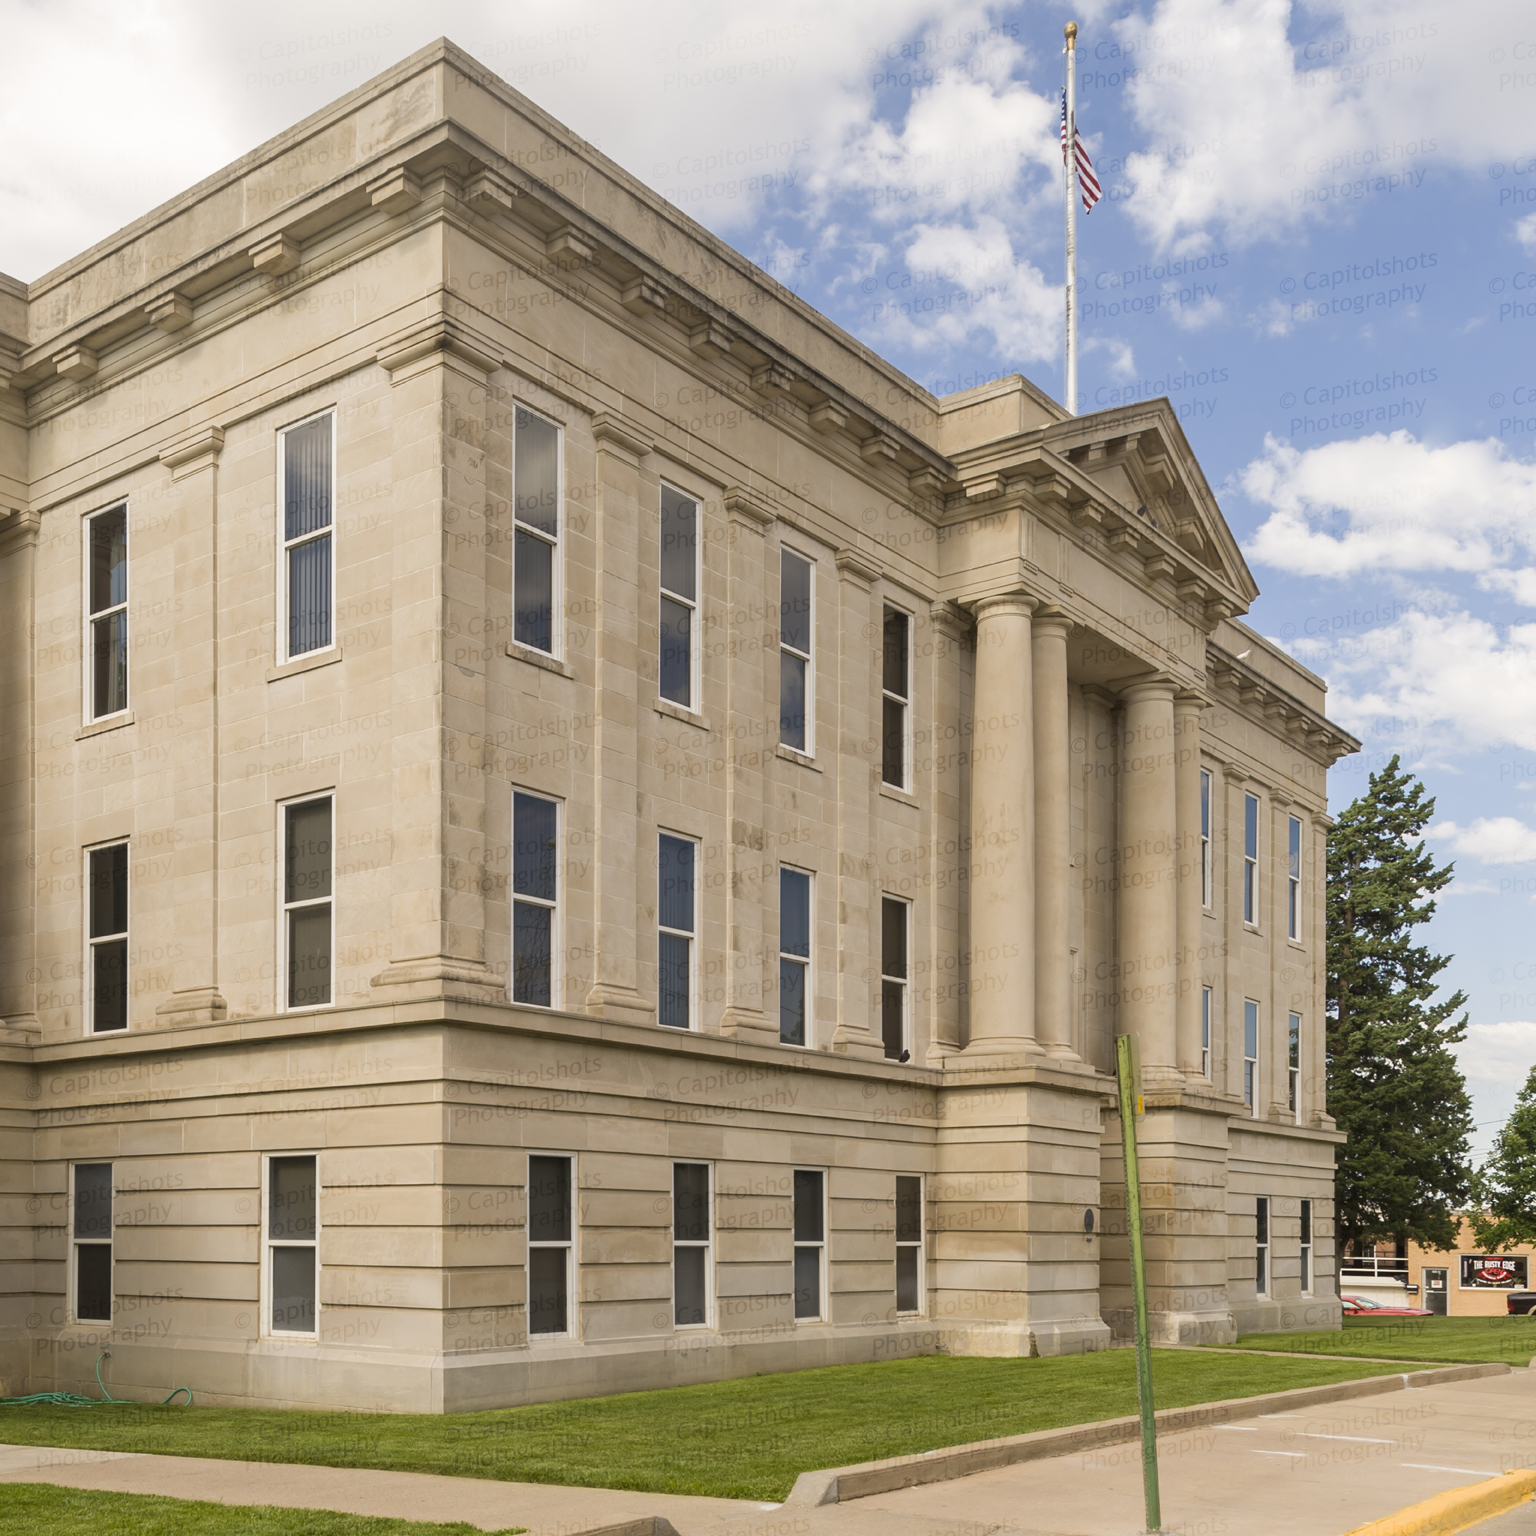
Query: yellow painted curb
1447, 1513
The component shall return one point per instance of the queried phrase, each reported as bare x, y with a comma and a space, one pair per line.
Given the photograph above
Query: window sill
326, 658
537, 658
790, 755
905, 796
679, 712
110, 723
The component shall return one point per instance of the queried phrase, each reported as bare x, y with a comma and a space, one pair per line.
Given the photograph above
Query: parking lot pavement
1318, 1473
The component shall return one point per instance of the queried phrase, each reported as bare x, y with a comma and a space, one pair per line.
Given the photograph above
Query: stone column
949, 626
1002, 863
626, 851
1148, 876
193, 462
858, 773
754, 638
1053, 836
18, 774
437, 709
1186, 725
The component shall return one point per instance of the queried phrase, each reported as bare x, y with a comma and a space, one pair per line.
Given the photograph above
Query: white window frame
907, 779
1293, 1063
692, 935
72, 1279
707, 1244
1251, 860
807, 657
1306, 1247
268, 1243
1295, 835
90, 619
553, 907
284, 543
1207, 894
1206, 1000
823, 1267
806, 961
695, 604
557, 560
91, 941
1262, 1246
1251, 1062
572, 1300
921, 1245
905, 982
284, 907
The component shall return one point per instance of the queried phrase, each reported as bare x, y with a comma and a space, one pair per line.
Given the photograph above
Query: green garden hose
74, 1400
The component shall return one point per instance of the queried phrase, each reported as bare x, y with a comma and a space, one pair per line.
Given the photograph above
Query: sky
1317, 238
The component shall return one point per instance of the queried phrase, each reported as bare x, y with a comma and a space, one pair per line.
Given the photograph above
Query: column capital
854, 565
1188, 701
1018, 604
1148, 688
1053, 621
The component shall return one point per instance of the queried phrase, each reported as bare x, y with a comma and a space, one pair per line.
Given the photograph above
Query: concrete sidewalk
1319, 1472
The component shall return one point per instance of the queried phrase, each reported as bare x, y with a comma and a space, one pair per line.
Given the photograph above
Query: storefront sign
1499, 1272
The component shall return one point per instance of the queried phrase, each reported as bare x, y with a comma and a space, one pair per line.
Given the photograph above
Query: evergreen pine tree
1393, 1083
1506, 1183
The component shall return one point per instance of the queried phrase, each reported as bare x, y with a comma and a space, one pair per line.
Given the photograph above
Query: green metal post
1129, 1091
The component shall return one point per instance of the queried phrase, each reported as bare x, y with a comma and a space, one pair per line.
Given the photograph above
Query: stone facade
1098, 778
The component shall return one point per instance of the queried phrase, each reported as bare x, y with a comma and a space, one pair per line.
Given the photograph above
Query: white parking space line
1358, 1439
1245, 1429
1297, 1455
1423, 1466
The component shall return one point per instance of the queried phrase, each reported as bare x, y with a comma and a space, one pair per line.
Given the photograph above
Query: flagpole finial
1071, 34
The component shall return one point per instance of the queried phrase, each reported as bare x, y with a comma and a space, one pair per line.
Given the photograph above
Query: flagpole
1069, 147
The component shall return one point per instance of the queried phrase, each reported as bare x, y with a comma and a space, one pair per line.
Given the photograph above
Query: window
535, 875
691, 1268
292, 1224
107, 937
674, 940
1205, 838
893, 977
679, 595
549, 1245
1250, 1051
308, 475
1295, 1064
91, 1215
1205, 1031
1261, 1246
794, 954
1306, 1247
810, 1243
909, 1243
796, 680
106, 542
536, 530
1250, 858
1293, 881
896, 688
307, 901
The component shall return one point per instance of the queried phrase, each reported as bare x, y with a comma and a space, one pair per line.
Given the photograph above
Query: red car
1363, 1306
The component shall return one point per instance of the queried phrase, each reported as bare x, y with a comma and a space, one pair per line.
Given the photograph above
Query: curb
1448, 1513
644, 1525
836, 1485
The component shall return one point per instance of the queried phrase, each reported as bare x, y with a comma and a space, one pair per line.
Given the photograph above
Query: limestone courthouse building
564, 827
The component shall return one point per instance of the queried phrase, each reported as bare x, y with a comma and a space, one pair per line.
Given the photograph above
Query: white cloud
1452, 682
1489, 839
1259, 118
1525, 233
1495, 1059
1388, 502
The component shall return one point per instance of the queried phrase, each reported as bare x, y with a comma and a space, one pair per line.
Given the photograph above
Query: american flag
1087, 182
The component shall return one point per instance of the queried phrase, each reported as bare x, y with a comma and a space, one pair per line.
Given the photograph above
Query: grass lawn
1440, 1340
745, 1439
43, 1510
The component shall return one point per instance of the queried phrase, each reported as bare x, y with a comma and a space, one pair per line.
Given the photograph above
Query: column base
750, 1026
440, 976
857, 1043
624, 1005
25, 1028
197, 1005
995, 1052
